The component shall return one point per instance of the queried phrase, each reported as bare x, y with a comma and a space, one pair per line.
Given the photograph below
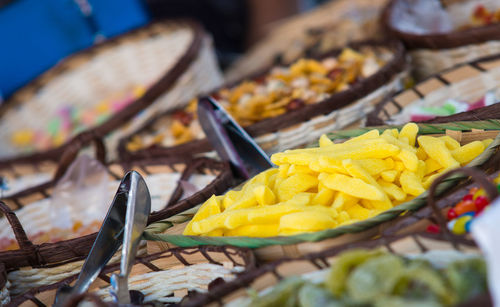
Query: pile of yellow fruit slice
324, 187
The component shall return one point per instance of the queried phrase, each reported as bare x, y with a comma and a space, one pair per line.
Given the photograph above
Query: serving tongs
124, 223
230, 141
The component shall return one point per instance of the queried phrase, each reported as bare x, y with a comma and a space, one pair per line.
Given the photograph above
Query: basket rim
246, 255
318, 259
386, 216
45, 254
374, 117
448, 40
165, 82
385, 74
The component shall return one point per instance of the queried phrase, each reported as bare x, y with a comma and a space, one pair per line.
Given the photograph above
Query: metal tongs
124, 223
232, 143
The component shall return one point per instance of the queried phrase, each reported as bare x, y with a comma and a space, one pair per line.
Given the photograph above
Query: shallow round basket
304, 125
432, 53
29, 212
167, 233
464, 82
171, 61
182, 269
331, 25
269, 275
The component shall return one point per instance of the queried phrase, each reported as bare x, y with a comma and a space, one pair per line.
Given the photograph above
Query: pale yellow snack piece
295, 184
399, 166
343, 201
487, 142
358, 212
409, 159
210, 207
299, 169
421, 154
389, 176
353, 186
324, 141
427, 180
324, 197
246, 199
410, 132
343, 217
271, 214
283, 170
254, 230
436, 149
391, 132
392, 190
215, 233
264, 195
263, 177
306, 221
376, 166
468, 152
372, 134
229, 198
450, 142
327, 165
431, 166
394, 141
420, 169
381, 151
410, 183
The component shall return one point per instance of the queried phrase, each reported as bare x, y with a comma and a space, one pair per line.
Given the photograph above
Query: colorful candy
68, 121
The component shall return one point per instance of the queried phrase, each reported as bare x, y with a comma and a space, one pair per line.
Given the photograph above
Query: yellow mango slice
358, 212
487, 142
299, 169
343, 217
372, 134
436, 149
396, 142
431, 166
307, 221
295, 184
421, 154
410, 183
353, 186
324, 197
450, 142
392, 190
343, 201
324, 141
409, 131
389, 176
468, 152
376, 166
264, 195
409, 160
283, 170
254, 230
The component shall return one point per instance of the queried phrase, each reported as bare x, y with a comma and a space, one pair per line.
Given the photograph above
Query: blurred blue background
36, 34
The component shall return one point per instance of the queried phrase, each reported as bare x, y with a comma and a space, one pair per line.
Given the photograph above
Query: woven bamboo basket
465, 82
270, 274
331, 25
436, 209
169, 61
4, 287
165, 177
164, 234
306, 124
164, 277
435, 52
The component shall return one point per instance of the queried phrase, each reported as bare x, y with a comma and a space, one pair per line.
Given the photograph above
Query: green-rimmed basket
168, 231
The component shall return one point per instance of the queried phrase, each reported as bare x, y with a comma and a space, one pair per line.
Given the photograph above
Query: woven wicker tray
469, 82
174, 60
152, 267
432, 53
31, 256
306, 124
270, 274
333, 24
168, 232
